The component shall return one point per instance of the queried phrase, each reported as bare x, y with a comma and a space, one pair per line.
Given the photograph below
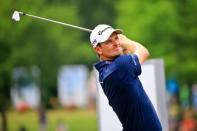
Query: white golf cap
101, 33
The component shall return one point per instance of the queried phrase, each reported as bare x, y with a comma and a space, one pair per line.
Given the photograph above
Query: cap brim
118, 31
106, 36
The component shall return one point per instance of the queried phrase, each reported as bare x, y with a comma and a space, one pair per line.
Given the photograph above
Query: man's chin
115, 56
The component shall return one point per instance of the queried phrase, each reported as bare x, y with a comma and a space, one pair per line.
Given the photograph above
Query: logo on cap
100, 32
95, 41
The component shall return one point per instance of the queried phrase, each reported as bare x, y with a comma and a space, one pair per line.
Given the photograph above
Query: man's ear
98, 50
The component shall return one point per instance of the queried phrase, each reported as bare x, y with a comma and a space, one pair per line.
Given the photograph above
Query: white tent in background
25, 93
28, 95
72, 83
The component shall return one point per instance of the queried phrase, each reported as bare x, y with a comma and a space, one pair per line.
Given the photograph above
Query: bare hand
124, 41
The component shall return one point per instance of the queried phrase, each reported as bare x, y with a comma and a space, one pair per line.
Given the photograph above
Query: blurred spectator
22, 128
174, 114
61, 126
42, 118
184, 96
188, 123
181, 117
172, 87
194, 97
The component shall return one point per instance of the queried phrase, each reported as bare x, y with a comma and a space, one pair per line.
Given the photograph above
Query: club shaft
57, 22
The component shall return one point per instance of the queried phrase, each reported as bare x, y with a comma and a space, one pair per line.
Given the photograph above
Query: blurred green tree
4, 85
8, 43
185, 39
31, 42
92, 13
46, 47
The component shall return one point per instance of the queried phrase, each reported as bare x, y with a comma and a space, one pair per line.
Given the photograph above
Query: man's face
110, 49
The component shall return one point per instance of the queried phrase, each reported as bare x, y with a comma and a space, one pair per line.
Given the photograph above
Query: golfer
119, 68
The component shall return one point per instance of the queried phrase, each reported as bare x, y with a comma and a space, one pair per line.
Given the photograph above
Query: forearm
130, 46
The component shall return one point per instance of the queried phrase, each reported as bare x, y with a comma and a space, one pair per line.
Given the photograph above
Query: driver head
16, 16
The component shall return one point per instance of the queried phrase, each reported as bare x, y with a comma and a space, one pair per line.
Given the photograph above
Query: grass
77, 120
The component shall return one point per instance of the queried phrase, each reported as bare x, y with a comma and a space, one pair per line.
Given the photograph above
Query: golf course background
75, 120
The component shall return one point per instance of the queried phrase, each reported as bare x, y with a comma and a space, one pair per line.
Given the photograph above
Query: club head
16, 16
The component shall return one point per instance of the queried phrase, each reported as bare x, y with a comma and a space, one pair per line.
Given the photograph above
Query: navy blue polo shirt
125, 93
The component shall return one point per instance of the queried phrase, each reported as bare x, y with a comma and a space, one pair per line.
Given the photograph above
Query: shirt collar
100, 64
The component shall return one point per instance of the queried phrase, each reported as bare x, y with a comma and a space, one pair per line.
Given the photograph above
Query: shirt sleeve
129, 62
136, 64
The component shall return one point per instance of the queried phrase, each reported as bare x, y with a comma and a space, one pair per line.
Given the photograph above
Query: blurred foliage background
167, 28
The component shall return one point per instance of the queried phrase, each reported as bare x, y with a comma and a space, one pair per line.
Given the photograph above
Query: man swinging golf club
119, 68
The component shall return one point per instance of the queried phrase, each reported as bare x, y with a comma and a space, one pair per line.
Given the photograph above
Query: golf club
16, 17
